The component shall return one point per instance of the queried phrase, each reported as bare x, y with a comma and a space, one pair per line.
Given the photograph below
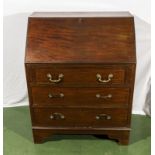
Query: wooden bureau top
79, 14
95, 37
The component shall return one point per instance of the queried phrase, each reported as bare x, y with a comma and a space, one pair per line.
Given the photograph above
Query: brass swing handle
103, 116
57, 116
99, 78
60, 78
61, 95
109, 96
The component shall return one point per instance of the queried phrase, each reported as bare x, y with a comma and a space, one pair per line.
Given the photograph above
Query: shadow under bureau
80, 70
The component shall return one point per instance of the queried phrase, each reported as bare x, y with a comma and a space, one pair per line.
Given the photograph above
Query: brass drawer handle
103, 116
109, 96
57, 116
60, 77
61, 95
99, 78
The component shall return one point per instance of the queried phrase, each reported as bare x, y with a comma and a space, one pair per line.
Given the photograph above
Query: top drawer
77, 75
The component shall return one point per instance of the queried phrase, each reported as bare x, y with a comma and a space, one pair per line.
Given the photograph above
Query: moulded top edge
79, 14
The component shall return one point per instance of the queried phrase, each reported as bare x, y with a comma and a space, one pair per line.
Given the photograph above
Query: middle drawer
60, 96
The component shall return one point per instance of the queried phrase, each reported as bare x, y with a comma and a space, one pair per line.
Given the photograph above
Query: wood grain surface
80, 46
80, 40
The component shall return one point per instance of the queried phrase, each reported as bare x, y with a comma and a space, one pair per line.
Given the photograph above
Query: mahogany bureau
80, 70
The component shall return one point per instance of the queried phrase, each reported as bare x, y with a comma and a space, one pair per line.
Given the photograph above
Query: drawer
79, 75
73, 117
59, 96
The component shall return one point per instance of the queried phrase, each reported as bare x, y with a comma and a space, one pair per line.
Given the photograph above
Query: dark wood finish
80, 45
80, 117
80, 40
84, 97
83, 75
80, 75
119, 134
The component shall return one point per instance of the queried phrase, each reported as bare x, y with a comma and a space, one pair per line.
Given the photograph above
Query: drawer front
57, 96
80, 75
79, 117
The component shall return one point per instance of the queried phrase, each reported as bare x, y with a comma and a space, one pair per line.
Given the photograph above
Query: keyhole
80, 20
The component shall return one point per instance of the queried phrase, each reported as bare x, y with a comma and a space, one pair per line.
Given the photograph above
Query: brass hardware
104, 97
61, 95
57, 116
99, 78
60, 77
103, 116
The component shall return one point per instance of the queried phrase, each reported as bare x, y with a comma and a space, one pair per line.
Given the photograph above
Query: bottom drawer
72, 117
